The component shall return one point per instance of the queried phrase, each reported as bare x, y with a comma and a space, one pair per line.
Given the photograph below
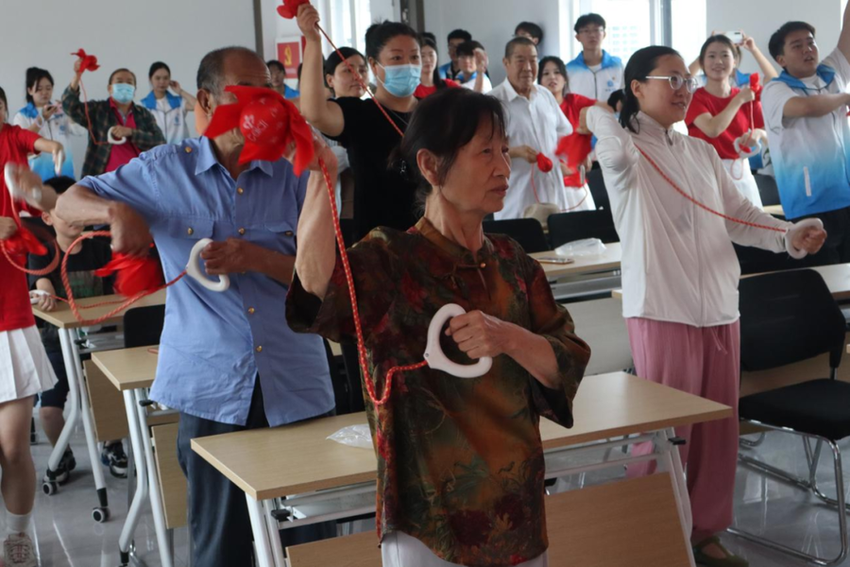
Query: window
347, 22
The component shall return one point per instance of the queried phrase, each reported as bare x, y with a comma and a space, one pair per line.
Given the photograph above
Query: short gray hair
211, 70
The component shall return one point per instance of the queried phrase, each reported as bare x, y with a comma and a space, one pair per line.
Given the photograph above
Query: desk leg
274, 533
153, 484
100, 514
670, 461
73, 414
266, 539
135, 510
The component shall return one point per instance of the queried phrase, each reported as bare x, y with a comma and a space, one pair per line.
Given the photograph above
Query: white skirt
742, 177
25, 369
401, 550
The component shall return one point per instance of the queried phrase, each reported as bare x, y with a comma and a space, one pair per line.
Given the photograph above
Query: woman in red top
430, 80
553, 76
720, 114
24, 367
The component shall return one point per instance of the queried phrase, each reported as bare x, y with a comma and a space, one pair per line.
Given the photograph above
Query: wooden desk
63, 317
775, 210
606, 406
131, 372
605, 262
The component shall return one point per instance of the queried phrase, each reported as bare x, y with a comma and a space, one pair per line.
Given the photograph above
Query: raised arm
615, 150
814, 106
321, 113
844, 38
767, 68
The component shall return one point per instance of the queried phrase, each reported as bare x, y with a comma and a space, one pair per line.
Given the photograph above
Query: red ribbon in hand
755, 85
133, 275
24, 242
544, 164
289, 9
88, 63
270, 123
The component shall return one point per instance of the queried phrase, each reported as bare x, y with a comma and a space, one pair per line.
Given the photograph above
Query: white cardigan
678, 261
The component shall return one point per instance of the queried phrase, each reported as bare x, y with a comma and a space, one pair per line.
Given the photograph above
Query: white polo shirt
537, 122
811, 155
597, 83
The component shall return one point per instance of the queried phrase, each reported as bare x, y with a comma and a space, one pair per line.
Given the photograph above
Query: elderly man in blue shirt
228, 361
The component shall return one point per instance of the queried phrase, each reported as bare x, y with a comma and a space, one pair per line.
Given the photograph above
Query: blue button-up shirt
214, 345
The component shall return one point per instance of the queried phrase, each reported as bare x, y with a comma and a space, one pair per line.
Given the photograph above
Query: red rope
42, 272
88, 118
702, 206
355, 312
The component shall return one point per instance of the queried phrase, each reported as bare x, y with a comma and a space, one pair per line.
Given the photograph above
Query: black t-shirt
384, 194
94, 254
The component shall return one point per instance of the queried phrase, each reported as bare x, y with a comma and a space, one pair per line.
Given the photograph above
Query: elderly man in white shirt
535, 124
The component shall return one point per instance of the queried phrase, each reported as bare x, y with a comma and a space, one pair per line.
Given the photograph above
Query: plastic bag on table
579, 248
354, 436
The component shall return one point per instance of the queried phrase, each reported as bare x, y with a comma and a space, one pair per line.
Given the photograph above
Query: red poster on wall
289, 52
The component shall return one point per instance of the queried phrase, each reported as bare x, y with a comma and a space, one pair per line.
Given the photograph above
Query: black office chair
568, 227
767, 189
143, 326
758, 261
788, 317
527, 232
596, 184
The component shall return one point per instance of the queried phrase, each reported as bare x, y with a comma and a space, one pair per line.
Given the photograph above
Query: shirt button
260, 348
240, 190
188, 150
190, 231
251, 310
241, 231
288, 233
483, 265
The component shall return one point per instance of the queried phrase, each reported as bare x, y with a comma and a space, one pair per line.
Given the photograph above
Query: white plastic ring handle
193, 268
59, 162
434, 354
582, 171
747, 152
113, 140
806, 223
36, 294
15, 190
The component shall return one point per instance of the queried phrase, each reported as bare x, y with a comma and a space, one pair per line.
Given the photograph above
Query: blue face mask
401, 80
123, 93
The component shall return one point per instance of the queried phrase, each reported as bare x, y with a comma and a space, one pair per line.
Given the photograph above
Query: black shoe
63, 471
115, 458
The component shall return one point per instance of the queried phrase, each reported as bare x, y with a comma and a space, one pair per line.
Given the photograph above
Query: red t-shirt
704, 101
572, 107
422, 91
15, 309
123, 153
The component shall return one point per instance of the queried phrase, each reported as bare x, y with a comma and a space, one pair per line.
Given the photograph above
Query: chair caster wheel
49, 487
100, 515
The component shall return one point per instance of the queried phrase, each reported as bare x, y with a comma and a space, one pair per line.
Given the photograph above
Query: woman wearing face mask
46, 118
117, 116
168, 109
722, 115
430, 80
680, 271
383, 195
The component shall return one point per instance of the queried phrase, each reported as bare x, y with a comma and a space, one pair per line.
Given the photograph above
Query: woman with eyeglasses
680, 272
729, 118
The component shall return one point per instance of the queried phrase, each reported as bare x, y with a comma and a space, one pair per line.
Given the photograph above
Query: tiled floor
68, 537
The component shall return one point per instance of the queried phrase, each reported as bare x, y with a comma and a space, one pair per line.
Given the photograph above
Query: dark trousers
218, 512
836, 249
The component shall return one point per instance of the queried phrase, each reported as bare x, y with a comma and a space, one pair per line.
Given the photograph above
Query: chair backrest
787, 317
568, 227
758, 261
767, 189
596, 184
143, 326
528, 232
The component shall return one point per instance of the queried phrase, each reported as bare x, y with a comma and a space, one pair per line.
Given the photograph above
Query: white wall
120, 34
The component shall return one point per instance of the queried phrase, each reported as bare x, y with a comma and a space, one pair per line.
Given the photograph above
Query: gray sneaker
20, 551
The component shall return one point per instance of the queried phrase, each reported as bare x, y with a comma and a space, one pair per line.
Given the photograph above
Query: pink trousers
705, 362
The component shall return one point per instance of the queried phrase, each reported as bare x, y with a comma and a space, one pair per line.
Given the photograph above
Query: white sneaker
20, 551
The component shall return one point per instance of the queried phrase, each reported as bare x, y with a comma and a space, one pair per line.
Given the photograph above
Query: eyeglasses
678, 81
591, 31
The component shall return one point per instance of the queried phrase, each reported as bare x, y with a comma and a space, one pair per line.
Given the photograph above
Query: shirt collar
30, 111
149, 101
825, 72
453, 249
207, 159
608, 60
512, 94
651, 127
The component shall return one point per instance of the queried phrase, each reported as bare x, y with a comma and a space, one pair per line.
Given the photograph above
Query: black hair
589, 19
427, 35
617, 96
533, 30
60, 183
640, 65
378, 35
211, 70
5, 102
459, 34
277, 64
720, 38
562, 69
426, 41
513, 43
34, 77
468, 48
122, 70
443, 123
776, 46
334, 60
156, 67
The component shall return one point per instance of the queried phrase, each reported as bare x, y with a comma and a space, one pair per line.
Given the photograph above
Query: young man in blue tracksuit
595, 73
